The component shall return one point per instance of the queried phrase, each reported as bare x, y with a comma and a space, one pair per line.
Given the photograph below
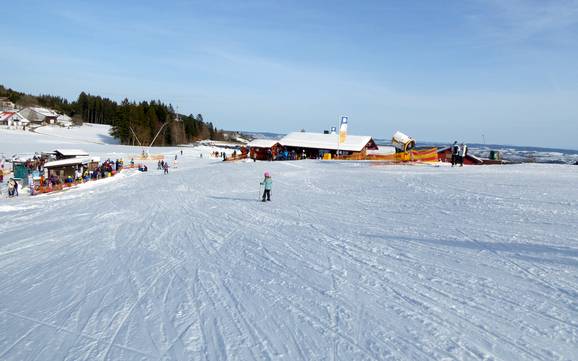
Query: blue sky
436, 70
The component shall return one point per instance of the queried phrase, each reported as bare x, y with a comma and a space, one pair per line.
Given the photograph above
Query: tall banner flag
343, 130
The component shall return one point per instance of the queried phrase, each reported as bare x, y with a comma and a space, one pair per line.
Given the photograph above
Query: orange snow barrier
422, 155
149, 157
236, 157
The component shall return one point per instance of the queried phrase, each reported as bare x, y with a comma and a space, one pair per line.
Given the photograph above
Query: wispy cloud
515, 21
112, 23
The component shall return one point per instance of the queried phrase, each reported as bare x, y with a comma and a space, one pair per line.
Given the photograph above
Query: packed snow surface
349, 261
88, 133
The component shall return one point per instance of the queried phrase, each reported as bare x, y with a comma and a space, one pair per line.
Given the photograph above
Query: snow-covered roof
353, 143
382, 150
71, 161
262, 143
16, 117
64, 118
44, 111
6, 115
71, 152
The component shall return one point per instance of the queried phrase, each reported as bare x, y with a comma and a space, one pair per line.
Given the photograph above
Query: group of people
291, 155
219, 154
36, 163
281, 154
164, 166
459, 152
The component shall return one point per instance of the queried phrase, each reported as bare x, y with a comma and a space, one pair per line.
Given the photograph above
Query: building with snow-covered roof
315, 145
69, 153
64, 120
263, 149
12, 119
64, 168
39, 116
445, 155
6, 118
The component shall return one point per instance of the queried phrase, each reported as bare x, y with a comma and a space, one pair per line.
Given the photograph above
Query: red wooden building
445, 155
263, 149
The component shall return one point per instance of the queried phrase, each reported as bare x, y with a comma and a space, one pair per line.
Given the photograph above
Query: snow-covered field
348, 262
87, 133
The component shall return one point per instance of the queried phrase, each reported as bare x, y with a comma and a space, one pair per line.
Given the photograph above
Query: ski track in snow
348, 262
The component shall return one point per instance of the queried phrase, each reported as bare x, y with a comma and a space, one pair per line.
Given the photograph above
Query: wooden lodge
317, 145
264, 149
64, 168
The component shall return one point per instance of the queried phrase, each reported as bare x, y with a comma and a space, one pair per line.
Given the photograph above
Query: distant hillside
262, 135
132, 123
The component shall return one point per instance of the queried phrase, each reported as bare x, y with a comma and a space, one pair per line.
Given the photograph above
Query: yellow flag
343, 130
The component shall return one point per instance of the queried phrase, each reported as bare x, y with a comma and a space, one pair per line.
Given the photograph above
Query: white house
12, 119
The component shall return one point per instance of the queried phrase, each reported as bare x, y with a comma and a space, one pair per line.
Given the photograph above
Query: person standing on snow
268, 183
463, 153
455, 153
31, 184
166, 168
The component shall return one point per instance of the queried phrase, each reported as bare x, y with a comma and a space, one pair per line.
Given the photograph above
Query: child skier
268, 183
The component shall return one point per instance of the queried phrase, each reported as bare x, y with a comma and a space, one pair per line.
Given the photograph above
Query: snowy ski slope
348, 262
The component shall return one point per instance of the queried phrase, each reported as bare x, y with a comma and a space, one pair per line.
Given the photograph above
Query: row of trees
133, 123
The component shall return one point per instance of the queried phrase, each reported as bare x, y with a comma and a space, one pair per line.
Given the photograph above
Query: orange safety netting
149, 157
425, 155
39, 189
236, 157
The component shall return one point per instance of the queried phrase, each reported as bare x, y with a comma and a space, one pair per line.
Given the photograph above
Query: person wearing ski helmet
268, 183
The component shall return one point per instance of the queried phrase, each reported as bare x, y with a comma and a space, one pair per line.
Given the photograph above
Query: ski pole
259, 196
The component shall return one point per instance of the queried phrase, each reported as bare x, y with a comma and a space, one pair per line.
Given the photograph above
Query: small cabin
69, 153
64, 168
263, 149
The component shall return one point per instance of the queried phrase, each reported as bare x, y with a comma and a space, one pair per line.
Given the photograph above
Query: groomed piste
349, 261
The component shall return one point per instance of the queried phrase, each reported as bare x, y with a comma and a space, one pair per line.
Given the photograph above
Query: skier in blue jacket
268, 183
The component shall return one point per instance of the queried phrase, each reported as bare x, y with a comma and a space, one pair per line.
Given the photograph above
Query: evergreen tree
129, 120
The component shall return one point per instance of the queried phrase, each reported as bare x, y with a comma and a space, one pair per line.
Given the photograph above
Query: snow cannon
402, 142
